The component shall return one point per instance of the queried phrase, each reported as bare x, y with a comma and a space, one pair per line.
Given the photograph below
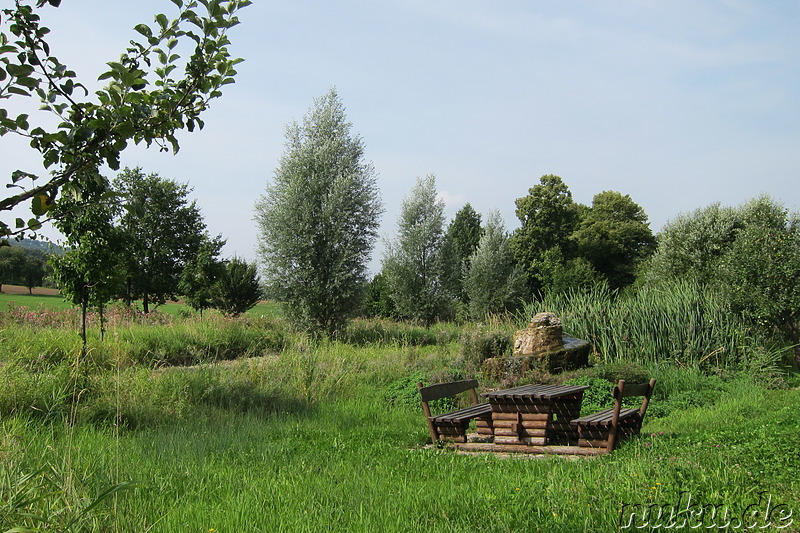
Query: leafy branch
144, 101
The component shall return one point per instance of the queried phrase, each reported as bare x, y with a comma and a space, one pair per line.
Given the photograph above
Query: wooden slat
635, 389
443, 390
467, 413
603, 417
545, 392
525, 416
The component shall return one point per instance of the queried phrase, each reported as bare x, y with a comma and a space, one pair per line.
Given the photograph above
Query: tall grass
354, 463
680, 321
299, 435
172, 342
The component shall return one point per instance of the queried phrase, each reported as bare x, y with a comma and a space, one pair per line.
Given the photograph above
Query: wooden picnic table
535, 414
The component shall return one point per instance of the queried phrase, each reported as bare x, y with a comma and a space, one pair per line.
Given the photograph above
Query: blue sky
677, 103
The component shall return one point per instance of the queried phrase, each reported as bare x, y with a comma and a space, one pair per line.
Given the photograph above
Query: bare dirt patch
39, 291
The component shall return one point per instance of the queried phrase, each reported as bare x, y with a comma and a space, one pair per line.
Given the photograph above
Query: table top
542, 392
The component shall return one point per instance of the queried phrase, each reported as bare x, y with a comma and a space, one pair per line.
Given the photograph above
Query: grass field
50, 298
304, 436
355, 463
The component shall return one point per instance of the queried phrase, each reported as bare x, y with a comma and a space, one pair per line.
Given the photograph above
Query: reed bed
678, 321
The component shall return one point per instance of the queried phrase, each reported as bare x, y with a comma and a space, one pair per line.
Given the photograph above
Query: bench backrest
623, 390
445, 390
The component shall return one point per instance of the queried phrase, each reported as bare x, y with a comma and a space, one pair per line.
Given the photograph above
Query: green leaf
144, 29
162, 20
28, 82
20, 223
19, 71
17, 90
21, 174
34, 225
40, 204
22, 122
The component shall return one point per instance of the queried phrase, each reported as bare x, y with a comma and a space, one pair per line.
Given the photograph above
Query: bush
403, 392
238, 288
597, 397
364, 332
483, 342
630, 372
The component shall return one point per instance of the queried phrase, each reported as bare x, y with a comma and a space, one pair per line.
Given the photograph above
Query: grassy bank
356, 463
216, 424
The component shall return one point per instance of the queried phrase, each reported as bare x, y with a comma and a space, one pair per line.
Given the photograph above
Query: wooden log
525, 416
517, 440
528, 449
593, 443
532, 424
513, 432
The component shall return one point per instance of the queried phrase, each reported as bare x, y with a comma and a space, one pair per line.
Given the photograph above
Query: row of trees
318, 220
22, 266
318, 224
151, 245
473, 270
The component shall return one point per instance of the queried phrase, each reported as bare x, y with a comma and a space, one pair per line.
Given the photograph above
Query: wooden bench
604, 429
453, 425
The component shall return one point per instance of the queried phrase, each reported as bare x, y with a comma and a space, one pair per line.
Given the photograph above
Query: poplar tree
493, 281
318, 220
413, 263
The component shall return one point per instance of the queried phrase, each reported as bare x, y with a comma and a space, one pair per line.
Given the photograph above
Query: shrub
403, 392
597, 397
483, 342
630, 372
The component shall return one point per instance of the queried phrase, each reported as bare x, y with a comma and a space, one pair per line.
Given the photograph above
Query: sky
677, 103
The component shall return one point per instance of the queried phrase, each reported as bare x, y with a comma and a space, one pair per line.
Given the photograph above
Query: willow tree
318, 220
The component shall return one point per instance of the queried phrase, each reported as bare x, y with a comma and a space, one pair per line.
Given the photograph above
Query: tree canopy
460, 242
237, 289
162, 231
750, 253
614, 237
493, 280
548, 216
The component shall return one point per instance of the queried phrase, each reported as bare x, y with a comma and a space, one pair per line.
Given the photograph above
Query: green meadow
187, 423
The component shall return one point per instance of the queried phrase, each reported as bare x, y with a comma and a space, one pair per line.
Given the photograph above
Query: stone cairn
544, 334
541, 346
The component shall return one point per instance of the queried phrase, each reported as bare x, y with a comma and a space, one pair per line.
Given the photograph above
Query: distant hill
45, 247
